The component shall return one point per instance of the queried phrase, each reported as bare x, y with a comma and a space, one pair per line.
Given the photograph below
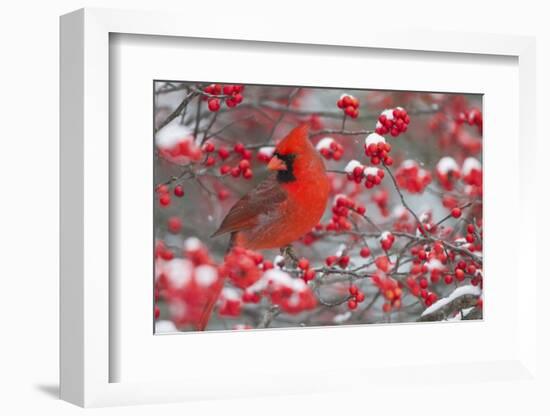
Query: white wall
29, 178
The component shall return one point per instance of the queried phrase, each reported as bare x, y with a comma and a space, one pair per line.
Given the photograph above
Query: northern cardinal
282, 208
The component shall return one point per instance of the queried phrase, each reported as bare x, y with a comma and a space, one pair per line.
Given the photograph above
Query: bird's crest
295, 141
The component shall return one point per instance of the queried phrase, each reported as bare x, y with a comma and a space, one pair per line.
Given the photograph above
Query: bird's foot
288, 253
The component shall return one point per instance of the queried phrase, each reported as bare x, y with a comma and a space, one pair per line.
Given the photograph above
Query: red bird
282, 208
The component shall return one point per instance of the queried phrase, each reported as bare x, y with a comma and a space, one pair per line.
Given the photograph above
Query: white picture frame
87, 356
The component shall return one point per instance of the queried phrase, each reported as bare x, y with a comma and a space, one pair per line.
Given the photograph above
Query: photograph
280, 206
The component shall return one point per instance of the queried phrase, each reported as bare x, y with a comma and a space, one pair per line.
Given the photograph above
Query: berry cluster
418, 288
185, 283
430, 260
342, 260
394, 121
473, 117
242, 168
163, 193
473, 239
412, 177
330, 148
465, 269
429, 297
391, 290
447, 172
357, 172
242, 267
450, 128
291, 295
356, 297
232, 95
177, 149
341, 210
307, 272
377, 149
349, 104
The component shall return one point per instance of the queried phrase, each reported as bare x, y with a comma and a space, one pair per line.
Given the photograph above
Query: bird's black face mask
286, 175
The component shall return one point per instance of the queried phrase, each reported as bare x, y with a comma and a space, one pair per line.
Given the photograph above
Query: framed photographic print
243, 215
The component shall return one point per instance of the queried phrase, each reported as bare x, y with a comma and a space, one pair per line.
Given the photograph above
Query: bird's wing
265, 199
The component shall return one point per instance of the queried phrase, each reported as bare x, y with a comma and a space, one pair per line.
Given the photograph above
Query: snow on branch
462, 297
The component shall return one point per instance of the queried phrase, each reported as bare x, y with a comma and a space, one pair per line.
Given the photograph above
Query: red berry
228, 89
303, 263
244, 164
349, 110
459, 273
223, 194
309, 274
174, 225
225, 169
456, 212
360, 297
167, 255
214, 104
448, 279
352, 304
239, 148
162, 189
365, 252
164, 200
247, 174
353, 290
209, 147
178, 191
223, 153
343, 262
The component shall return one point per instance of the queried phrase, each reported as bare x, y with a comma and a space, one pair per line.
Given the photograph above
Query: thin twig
177, 111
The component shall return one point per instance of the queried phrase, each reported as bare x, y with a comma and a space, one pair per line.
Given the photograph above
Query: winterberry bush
401, 239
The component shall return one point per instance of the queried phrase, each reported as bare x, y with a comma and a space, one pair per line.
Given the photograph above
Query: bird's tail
209, 306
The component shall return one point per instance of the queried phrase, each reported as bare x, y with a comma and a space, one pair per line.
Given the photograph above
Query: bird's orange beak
276, 164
